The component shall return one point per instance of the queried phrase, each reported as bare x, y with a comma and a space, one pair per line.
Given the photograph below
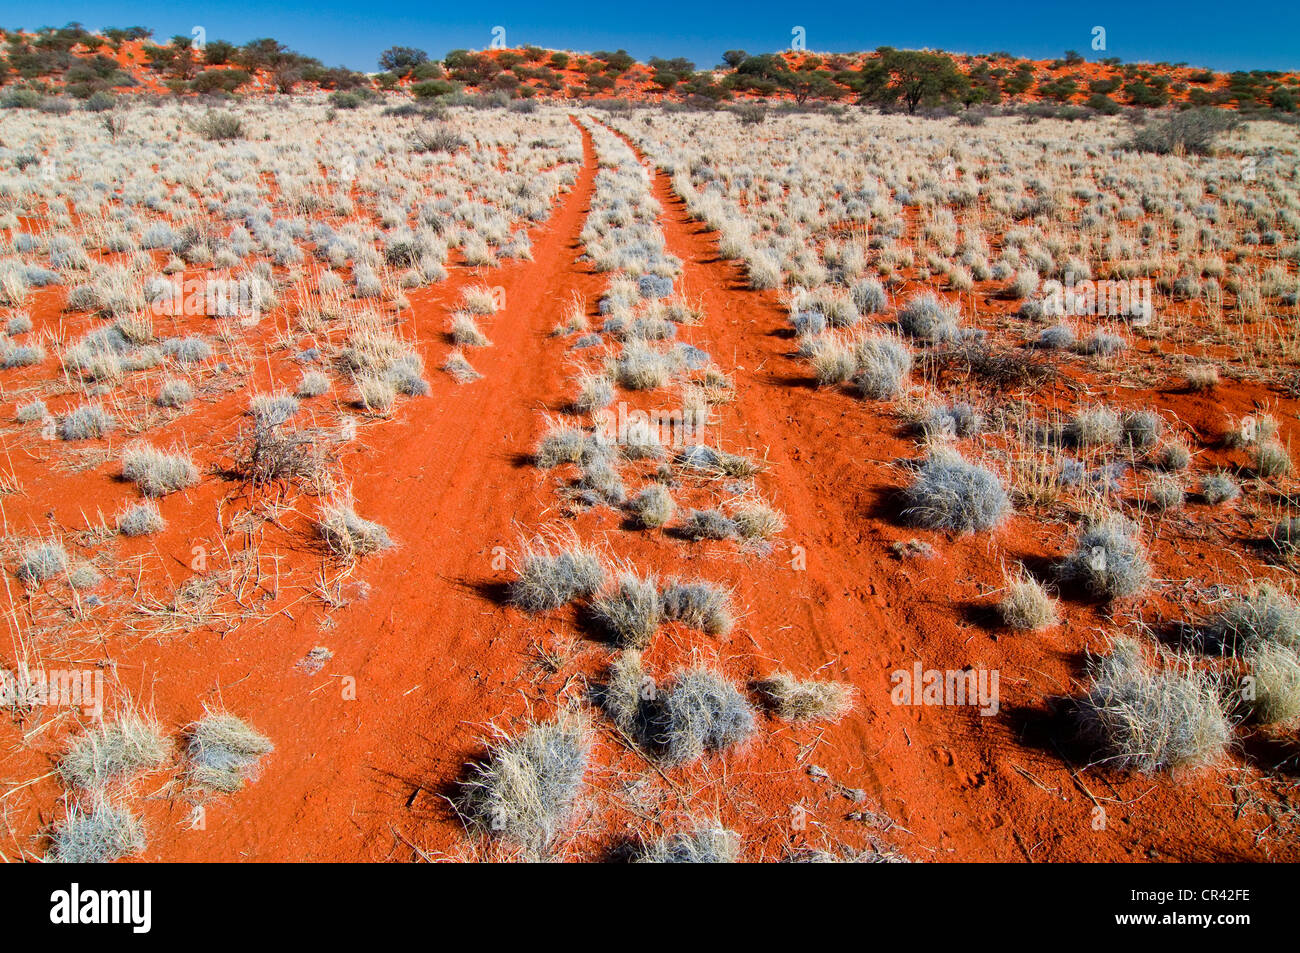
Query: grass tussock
552, 573
808, 700
224, 752
1264, 615
756, 520
653, 506
631, 611
527, 787
698, 711
1276, 689
114, 752
704, 844
96, 832
347, 535
950, 493
1108, 561
1027, 606
699, 605
41, 563
1140, 717
157, 473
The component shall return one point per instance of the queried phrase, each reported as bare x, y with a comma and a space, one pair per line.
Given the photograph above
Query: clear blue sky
1240, 35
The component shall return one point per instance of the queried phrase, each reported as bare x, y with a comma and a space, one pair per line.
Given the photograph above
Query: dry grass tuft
527, 787
224, 752
808, 700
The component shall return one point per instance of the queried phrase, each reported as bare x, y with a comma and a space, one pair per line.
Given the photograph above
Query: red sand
426, 656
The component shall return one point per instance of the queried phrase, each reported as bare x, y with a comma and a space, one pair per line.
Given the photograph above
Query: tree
734, 58
616, 62
1143, 94
1060, 90
911, 77
817, 84
218, 52
402, 59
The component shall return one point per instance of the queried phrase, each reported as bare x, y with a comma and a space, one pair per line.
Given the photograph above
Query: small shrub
22, 355
266, 454
601, 482
435, 139
1192, 130
220, 127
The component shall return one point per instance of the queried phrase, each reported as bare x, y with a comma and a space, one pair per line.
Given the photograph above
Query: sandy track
423, 638
964, 787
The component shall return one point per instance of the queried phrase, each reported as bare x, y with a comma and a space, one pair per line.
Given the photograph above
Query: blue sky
1244, 34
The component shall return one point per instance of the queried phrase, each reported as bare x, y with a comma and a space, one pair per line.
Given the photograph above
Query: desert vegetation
589, 463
